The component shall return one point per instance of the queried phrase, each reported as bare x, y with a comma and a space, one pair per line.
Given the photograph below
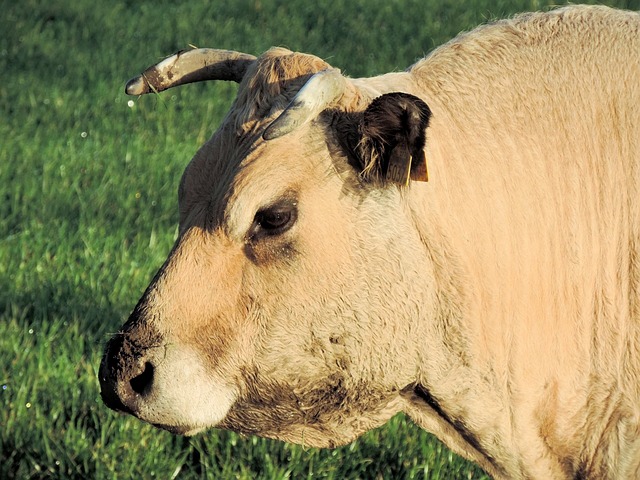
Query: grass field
88, 183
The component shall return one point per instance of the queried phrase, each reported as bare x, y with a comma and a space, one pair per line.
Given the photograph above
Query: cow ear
393, 136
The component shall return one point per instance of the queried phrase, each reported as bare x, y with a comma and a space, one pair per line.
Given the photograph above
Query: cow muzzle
126, 375
162, 381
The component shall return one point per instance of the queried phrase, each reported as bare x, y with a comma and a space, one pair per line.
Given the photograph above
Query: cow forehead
228, 182
288, 167
236, 171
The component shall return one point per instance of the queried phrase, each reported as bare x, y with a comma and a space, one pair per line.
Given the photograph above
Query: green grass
88, 212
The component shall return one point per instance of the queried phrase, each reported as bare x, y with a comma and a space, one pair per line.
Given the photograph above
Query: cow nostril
141, 384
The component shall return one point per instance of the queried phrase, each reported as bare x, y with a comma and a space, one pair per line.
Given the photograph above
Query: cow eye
275, 220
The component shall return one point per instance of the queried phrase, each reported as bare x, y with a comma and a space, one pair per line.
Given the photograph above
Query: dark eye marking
274, 219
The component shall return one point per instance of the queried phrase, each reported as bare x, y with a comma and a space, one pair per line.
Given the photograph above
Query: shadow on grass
42, 305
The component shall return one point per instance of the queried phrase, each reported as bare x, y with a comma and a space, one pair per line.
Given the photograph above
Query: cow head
288, 305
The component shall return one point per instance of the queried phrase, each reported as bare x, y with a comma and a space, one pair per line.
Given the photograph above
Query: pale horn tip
137, 86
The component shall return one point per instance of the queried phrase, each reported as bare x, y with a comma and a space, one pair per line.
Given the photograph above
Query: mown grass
88, 212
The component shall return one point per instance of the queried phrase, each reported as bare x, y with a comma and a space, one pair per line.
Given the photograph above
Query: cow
459, 241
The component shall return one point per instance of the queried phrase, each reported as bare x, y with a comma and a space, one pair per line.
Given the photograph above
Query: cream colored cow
319, 286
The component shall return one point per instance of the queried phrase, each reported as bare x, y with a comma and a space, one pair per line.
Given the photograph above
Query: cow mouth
181, 430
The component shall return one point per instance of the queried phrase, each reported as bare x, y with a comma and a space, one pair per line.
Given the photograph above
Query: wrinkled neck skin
444, 397
441, 383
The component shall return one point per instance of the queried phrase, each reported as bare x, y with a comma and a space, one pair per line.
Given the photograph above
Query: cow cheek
227, 342
298, 383
309, 375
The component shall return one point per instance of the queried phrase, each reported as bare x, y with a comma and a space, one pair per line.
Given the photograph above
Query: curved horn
320, 92
189, 66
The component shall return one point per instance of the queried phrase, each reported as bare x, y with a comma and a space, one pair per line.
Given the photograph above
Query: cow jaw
326, 412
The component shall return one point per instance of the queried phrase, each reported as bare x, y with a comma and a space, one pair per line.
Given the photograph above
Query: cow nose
126, 376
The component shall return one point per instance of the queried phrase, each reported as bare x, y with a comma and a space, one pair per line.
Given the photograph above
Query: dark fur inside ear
392, 128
